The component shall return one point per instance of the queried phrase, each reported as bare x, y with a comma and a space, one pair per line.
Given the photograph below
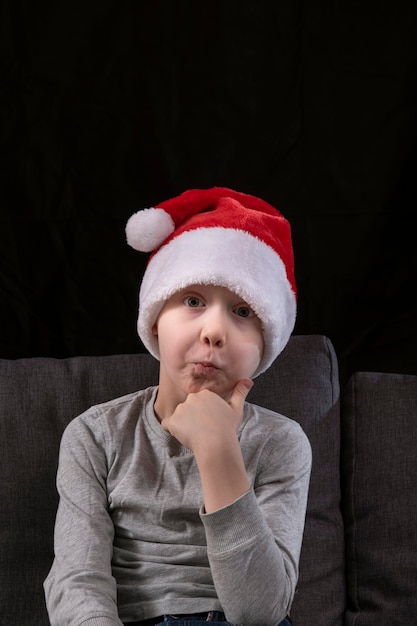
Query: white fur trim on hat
225, 257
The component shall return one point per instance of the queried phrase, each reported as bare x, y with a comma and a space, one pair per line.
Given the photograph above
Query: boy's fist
205, 419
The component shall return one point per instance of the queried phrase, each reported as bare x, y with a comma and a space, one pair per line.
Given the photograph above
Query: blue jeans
215, 618
198, 622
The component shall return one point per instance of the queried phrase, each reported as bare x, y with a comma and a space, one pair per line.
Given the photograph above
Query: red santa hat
218, 237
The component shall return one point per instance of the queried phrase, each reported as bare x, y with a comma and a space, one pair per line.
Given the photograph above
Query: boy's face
209, 338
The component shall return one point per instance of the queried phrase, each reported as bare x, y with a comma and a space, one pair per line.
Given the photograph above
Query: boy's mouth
205, 368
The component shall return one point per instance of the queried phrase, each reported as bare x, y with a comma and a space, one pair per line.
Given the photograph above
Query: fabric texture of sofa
359, 558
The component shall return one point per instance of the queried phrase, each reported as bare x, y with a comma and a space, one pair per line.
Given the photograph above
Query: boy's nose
214, 329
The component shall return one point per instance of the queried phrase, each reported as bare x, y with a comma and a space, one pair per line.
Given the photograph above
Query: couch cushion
38, 397
379, 469
303, 384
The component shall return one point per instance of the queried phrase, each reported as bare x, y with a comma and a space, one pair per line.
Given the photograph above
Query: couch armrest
380, 498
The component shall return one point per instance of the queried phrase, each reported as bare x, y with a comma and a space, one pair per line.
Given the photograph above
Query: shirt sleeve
80, 588
254, 544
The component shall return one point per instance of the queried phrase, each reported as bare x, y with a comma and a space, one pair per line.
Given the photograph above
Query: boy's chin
224, 391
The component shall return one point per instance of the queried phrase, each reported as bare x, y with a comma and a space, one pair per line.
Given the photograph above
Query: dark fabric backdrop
111, 106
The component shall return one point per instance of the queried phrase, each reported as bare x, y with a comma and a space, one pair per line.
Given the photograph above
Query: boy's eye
193, 302
244, 311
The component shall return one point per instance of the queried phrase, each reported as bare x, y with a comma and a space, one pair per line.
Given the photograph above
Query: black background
112, 106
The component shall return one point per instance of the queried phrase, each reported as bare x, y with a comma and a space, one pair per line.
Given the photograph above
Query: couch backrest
38, 397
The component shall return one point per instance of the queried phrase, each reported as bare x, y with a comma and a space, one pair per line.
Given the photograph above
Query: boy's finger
165, 424
240, 393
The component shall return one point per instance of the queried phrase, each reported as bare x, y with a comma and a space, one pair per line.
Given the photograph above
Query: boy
182, 503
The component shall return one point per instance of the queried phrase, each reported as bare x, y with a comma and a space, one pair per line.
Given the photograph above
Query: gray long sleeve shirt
132, 540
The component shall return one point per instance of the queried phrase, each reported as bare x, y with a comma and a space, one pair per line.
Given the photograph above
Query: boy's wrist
223, 476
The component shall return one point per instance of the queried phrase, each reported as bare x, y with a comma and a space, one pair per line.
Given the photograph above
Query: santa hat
218, 237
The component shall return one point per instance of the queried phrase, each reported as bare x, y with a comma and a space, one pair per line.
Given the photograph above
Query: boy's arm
208, 426
253, 536
80, 588
254, 544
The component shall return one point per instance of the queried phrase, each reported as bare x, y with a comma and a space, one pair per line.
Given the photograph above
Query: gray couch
359, 558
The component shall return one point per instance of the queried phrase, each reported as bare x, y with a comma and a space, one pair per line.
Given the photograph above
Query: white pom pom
146, 230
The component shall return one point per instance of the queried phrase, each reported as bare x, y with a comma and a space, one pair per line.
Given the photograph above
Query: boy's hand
208, 425
205, 419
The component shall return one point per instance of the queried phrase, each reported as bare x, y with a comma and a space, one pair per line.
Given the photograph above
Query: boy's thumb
240, 392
